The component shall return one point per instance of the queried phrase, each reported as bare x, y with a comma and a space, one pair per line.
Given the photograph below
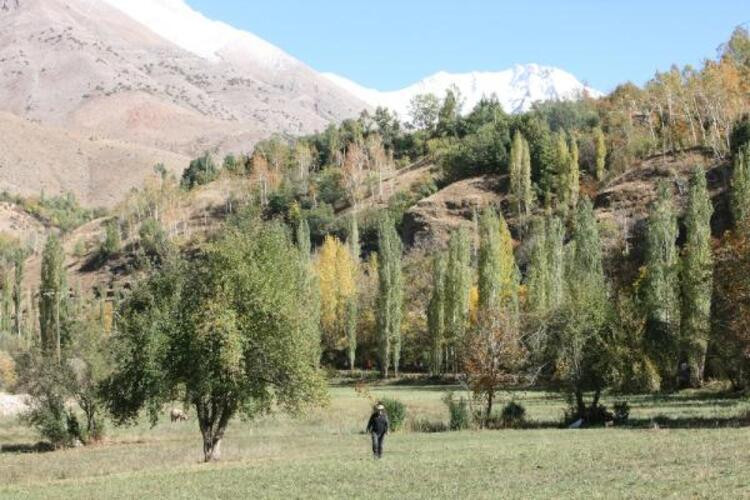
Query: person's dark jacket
378, 423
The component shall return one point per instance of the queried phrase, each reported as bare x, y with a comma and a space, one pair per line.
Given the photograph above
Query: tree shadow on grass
40, 447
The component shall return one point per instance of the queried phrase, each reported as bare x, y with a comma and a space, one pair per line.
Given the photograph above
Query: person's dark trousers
377, 444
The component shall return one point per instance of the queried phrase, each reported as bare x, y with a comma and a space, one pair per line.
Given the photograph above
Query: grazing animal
177, 414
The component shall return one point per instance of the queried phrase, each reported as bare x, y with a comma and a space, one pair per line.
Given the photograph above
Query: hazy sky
388, 44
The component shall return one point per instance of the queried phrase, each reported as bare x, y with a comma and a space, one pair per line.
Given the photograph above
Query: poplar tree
457, 286
573, 173
489, 261
390, 295
538, 268
303, 238
697, 275
51, 301
661, 284
7, 299
510, 276
18, 265
520, 177
600, 148
740, 199
562, 168
555, 254
352, 307
436, 314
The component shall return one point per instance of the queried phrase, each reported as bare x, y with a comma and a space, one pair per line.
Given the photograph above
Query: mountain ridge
517, 88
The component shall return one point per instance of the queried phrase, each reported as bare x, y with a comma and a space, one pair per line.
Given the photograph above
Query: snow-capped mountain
516, 88
178, 23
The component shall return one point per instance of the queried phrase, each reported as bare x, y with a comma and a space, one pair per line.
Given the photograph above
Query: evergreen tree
52, 298
661, 286
600, 148
741, 185
697, 275
527, 187
457, 286
352, 307
436, 313
390, 295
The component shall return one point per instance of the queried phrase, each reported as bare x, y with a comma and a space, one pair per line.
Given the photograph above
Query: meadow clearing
700, 449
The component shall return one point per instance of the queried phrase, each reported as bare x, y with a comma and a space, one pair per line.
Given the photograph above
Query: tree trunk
490, 397
213, 417
580, 404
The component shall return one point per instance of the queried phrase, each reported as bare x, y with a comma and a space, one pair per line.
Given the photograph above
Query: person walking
378, 427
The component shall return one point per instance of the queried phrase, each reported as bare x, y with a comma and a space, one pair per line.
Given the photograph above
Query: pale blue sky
388, 44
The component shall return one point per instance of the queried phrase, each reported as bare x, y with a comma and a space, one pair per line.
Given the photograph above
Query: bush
513, 415
201, 171
7, 372
49, 417
396, 411
458, 410
622, 412
428, 426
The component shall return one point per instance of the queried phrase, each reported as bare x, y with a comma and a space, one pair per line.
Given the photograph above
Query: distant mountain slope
517, 88
35, 158
153, 74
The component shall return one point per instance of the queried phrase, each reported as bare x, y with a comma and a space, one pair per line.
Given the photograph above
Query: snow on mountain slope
517, 88
177, 22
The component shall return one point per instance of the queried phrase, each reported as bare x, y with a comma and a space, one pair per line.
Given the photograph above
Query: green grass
325, 454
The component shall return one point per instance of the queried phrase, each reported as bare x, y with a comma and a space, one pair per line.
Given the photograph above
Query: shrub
396, 411
7, 371
621, 412
458, 410
201, 171
428, 426
513, 415
49, 417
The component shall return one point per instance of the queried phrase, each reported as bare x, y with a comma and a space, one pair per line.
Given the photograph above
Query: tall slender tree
53, 296
19, 259
697, 275
740, 199
352, 306
600, 149
661, 288
555, 253
520, 177
457, 286
390, 295
489, 261
538, 271
574, 173
436, 313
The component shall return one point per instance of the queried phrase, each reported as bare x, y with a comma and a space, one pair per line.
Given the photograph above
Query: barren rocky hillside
91, 69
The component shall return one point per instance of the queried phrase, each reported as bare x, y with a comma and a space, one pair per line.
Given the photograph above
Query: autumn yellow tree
336, 270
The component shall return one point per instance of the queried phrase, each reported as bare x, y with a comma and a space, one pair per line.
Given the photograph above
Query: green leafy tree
520, 177
19, 260
582, 325
424, 110
390, 295
538, 271
232, 328
661, 287
697, 275
600, 152
555, 253
740, 198
112, 241
352, 306
201, 171
53, 297
436, 314
457, 287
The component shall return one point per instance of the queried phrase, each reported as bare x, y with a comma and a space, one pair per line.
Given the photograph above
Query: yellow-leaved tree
336, 277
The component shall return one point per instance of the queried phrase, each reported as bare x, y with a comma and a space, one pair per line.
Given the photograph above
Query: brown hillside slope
36, 158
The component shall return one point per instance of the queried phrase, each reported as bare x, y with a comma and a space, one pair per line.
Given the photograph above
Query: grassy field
699, 450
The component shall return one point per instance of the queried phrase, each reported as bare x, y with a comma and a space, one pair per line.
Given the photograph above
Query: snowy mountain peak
177, 22
517, 88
